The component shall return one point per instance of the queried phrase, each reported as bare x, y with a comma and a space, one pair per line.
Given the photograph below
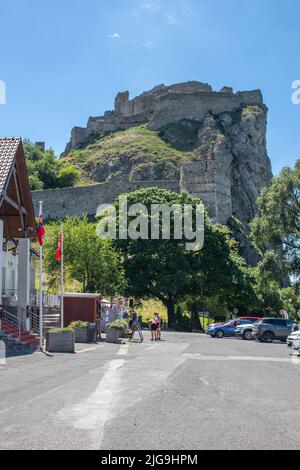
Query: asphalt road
187, 392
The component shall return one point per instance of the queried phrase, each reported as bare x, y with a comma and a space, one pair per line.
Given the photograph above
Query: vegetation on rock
45, 170
138, 153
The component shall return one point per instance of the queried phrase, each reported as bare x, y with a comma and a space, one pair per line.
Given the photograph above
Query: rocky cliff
150, 137
211, 144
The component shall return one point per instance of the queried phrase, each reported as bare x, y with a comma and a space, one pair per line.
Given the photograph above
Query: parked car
227, 329
251, 319
248, 319
294, 337
212, 325
268, 330
245, 331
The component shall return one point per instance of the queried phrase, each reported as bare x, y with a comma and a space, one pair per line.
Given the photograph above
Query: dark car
270, 329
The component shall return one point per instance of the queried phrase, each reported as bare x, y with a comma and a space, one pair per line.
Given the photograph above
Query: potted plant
84, 332
124, 324
61, 340
115, 330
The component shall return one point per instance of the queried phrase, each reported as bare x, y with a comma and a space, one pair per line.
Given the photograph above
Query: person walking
158, 321
153, 330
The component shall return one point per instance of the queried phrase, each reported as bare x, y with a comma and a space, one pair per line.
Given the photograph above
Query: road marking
204, 381
97, 409
240, 358
33, 400
124, 350
193, 354
90, 349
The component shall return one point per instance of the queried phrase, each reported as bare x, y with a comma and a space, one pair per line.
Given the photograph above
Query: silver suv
269, 329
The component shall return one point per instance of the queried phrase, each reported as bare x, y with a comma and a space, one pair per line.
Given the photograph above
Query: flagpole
41, 288
62, 277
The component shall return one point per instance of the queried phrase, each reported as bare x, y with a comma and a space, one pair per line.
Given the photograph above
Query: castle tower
210, 181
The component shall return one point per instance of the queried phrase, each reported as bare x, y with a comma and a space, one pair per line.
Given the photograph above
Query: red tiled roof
8, 149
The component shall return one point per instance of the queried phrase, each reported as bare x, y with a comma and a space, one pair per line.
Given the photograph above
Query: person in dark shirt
159, 323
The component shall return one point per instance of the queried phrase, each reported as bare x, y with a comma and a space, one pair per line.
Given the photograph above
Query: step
11, 332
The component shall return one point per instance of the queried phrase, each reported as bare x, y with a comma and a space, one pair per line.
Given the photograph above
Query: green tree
87, 259
165, 270
45, 170
67, 176
234, 290
289, 298
278, 225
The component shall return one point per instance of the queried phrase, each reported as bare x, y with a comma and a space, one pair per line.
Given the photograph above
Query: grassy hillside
138, 153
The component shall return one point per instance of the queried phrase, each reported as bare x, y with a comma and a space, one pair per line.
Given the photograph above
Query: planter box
123, 333
62, 342
85, 335
113, 335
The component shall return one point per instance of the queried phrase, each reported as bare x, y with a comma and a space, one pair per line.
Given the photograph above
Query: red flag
59, 248
40, 230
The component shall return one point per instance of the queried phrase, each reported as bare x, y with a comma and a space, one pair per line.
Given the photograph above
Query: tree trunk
170, 304
196, 324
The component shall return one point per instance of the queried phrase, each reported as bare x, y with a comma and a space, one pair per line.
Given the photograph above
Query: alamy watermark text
2, 92
182, 222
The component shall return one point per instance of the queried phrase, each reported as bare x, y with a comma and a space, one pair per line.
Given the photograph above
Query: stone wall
207, 180
228, 138
61, 203
172, 108
210, 181
164, 105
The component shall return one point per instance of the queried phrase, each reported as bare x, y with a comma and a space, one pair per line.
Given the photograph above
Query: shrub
68, 329
68, 176
118, 325
79, 324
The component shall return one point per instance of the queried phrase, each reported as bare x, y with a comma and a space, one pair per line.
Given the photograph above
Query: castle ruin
230, 167
164, 105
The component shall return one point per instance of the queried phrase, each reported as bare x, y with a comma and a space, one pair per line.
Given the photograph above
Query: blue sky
64, 60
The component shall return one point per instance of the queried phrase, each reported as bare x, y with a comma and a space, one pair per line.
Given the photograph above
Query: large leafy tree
234, 289
278, 225
165, 270
92, 262
45, 170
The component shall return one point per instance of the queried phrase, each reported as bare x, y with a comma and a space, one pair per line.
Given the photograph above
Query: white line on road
33, 400
124, 350
97, 409
242, 358
90, 349
204, 381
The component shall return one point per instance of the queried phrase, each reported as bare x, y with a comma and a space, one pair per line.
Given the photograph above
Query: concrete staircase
14, 347
17, 340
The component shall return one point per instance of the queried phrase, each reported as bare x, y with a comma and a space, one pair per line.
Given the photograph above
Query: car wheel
220, 334
268, 337
247, 335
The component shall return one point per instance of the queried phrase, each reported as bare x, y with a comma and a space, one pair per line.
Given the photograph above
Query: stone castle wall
208, 181
163, 105
61, 203
227, 134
